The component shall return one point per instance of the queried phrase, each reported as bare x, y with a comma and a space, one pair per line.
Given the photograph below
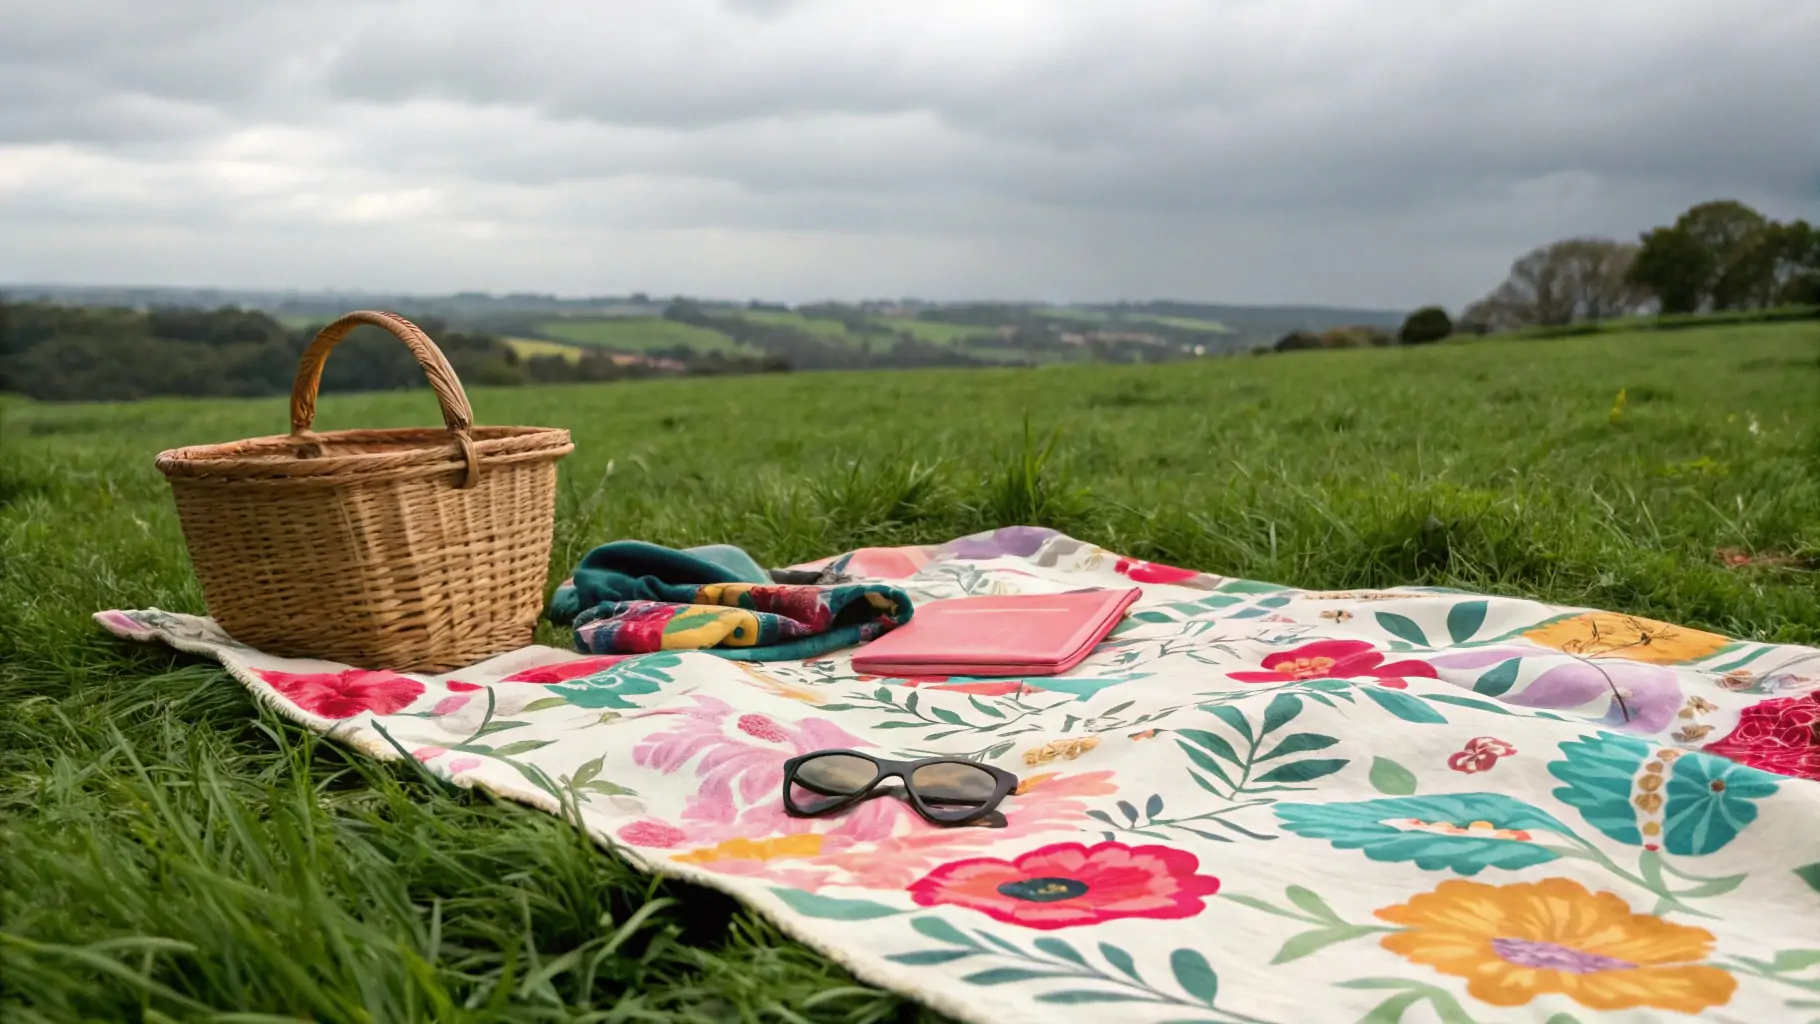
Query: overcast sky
1369, 152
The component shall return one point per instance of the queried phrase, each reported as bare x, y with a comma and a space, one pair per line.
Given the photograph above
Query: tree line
54, 352
1719, 256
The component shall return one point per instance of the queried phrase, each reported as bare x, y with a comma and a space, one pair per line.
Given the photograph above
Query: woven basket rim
420, 451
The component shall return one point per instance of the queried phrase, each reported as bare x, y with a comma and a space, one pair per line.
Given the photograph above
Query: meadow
172, 851
637, 334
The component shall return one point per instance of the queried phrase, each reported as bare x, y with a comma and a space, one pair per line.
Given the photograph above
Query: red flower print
345, 694
1067, 884
1335, 659
1151, 572
1480, 754
981, 687
563, 671
457, 686
1780, 736
652, 833
762, 728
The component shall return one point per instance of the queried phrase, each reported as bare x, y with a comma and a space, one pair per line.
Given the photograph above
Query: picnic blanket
1251, 803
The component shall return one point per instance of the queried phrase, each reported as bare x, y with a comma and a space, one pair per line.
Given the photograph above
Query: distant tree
1296, 341
1426, 326
1722, 255
1573, 279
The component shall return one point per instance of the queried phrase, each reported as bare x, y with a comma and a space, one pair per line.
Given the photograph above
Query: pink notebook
1010, 635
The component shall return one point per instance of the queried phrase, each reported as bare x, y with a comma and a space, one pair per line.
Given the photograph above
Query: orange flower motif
1610, 635
803, 844
1515, 942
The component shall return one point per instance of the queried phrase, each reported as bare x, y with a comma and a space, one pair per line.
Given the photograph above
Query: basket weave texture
415, 550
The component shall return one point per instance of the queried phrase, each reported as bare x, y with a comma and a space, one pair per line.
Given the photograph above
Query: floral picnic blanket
1251, 803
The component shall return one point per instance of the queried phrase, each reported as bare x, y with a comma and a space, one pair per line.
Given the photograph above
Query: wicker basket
417, 550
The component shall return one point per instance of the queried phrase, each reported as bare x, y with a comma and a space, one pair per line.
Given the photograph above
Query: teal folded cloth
633, 570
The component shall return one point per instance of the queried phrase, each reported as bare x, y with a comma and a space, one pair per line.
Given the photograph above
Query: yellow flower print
805, 844
1515, 942
1607, 634
1067, 749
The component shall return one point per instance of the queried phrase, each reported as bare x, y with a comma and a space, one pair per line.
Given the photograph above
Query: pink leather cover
1009, 635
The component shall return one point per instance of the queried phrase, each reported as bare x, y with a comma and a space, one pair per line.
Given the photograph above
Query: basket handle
457, 414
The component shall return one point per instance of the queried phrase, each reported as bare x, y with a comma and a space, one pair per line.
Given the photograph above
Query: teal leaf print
1391, 778
1282, 710
1234, 717
941, 931
1071, 997
1299, 743
1402, 705
1704, 802
1056, 947
544, 704
1121, 960
810, 904
1303, 771
1309, 903
1212, 743
1403, 628
1433, 832
929, 957
1464, 619
1153, 806
1193, 973
610, 687
1006, 975
1810, 873
1466, 702
1497, 681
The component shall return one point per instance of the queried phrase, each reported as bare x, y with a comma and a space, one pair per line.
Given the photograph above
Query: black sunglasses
944, 790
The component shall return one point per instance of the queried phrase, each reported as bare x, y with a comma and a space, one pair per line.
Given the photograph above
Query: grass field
820, 327
171, 851
529, 347
637, 334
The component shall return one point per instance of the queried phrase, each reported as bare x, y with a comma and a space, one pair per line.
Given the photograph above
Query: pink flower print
652, 833
450, 704
463, 764
345, 694
427, 754
763, 728
563, 671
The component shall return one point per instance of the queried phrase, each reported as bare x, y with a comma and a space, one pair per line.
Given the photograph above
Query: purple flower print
1017, 541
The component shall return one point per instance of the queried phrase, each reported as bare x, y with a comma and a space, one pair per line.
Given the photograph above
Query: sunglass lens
953, 789
824, 781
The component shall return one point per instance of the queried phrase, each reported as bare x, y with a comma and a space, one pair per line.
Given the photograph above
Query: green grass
172, 851
637, 334
1187, 323
821, 327
529, 347
934, 331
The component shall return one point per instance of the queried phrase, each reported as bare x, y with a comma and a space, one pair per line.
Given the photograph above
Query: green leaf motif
1402, 705
1497, 681
1403, 628
929, 957
1309, 942
1810, 873
941, 931
1391, 778
544, 704
830, 908
985, 709
1311, 904
1072, 997
1121, 960
1057, 948
1213, 743
1464, 619
1791, 960
588, 772
1466, 702
1234, 717
1006, 975
1283, 708
947, 716
521, 747
1153, 806
1299, 743
1304, 771
1195, 975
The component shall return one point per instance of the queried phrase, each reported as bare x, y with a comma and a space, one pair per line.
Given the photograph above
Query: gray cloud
1359, 151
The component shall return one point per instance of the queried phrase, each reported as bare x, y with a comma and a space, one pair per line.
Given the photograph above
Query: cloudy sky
1372, 152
